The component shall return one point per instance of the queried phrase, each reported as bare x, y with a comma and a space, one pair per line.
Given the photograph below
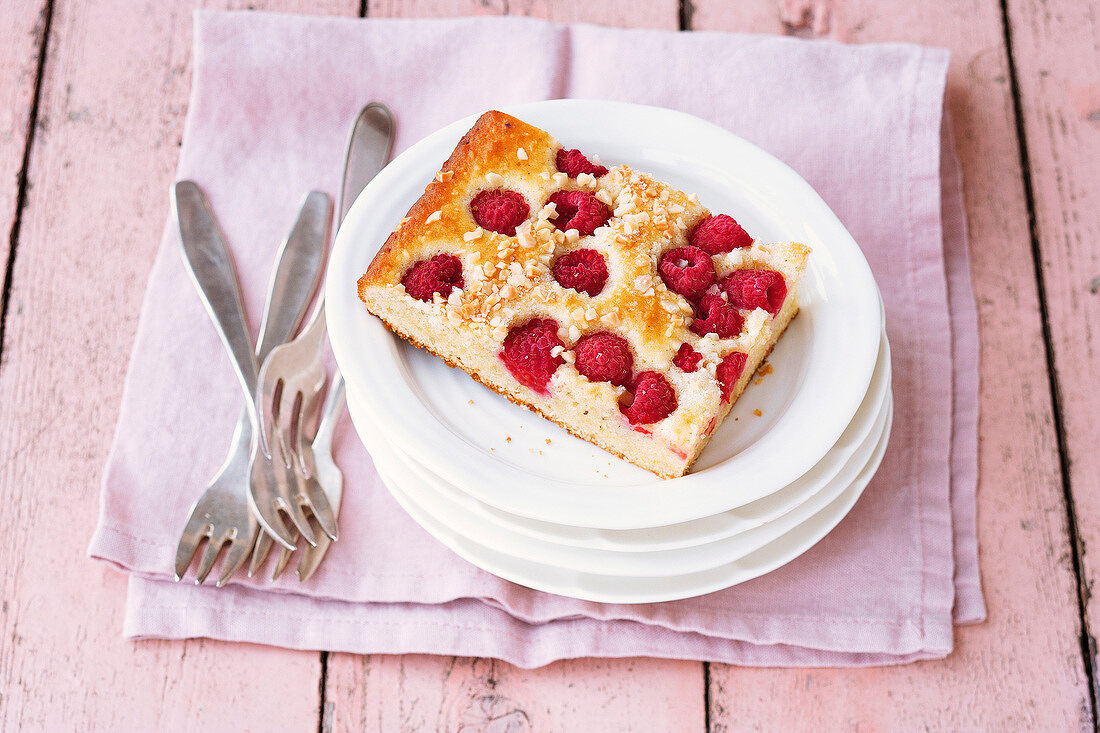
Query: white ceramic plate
822, 365
846, 458
613, 589
657, 563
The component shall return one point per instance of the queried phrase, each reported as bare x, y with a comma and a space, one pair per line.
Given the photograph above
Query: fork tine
197, 528
311, 559
209, 557
300, 521
234, 558
267, 514
284, 559
265, 418
287, 424
259, 552
318, 503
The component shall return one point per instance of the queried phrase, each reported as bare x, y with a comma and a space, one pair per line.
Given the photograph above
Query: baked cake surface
609, 302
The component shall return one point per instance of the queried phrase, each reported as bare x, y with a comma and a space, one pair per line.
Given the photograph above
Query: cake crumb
757, 413
507, 438
470, 402
766, 368
548, 441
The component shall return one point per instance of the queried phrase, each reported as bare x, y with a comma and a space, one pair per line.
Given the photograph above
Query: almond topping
494, 179
434, 216
521, 154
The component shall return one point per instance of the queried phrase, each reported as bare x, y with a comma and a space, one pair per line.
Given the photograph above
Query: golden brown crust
482, 148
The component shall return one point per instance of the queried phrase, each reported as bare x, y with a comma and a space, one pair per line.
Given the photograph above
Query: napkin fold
271, 100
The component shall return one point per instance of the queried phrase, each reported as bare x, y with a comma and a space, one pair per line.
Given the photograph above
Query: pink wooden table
92, 101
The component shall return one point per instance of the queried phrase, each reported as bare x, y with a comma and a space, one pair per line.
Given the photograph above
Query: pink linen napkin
271, 101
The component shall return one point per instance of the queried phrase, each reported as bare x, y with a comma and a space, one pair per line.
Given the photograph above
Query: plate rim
837, 510
630, 564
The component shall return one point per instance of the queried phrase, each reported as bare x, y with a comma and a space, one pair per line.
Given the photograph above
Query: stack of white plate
521, 498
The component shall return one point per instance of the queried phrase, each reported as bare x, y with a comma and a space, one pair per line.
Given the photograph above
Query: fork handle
296, 273
214, 275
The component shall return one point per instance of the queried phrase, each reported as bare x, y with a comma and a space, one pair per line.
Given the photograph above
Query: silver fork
297, 396
368, 149
221, 514
324, 476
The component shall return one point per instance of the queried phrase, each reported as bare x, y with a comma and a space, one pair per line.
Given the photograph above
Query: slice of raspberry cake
609, 302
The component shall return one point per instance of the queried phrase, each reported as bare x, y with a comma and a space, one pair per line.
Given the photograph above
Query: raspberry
654, 399
438, 275
687, 271
729, 371
604, 357
718, 234
756, 289
573, 163
687, 358
584, 270
500, 211
527, 353
579, 210
715, 315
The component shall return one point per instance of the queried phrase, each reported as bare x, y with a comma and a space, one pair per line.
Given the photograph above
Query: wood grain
1056, 48
1013, 672
425, 693
111, 113
21, 38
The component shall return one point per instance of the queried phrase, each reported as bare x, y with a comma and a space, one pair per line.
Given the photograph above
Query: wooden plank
391, 693
427, 693
111, 114
21, 37
1056, 49
1021, 670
